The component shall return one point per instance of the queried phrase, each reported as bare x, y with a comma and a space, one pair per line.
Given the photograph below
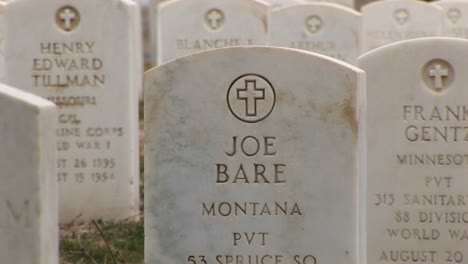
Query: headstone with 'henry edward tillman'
417, 137
82, 55
252, 157
28, 193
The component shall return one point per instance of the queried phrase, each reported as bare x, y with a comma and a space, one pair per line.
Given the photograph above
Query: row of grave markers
266, 155
181, 27
261, 174
284, 156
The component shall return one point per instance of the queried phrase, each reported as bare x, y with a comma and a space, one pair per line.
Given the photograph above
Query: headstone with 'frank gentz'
417, 136
252, 157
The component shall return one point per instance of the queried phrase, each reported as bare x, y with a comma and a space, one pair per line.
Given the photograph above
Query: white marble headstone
455, 17
328, 29
252, 155
153, 29
348, 3
28, 189
417, 138
85, 57
188, 26
388, 21
284, 3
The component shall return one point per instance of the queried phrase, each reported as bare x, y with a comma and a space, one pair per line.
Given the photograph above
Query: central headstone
84, 57
188, 26
28, 189
417, 137
252, 157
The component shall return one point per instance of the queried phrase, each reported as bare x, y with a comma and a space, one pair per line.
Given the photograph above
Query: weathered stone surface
348, 3
455, 17
252, 151
28, 189
188, 26
84, 57
385, 22
328, 29
417, 138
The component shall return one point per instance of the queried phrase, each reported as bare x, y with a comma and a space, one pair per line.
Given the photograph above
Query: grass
100, 242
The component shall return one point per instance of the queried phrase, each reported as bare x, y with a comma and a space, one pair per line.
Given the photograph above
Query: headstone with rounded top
417, 137
85, 57
325, 28
252, 157
455, 17
388, 21
188, 26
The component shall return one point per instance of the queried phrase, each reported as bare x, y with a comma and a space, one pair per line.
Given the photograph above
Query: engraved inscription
437, 74
17, 213
325, 47
67, 65
313, 24
214, 19
74, 70
253, 166
401, 16
251, 98
204, 44
67, 18
380, 38
435, 124
434, 212
454, 15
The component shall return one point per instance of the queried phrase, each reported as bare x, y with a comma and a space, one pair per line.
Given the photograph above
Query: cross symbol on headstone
67, 16
250, 94
438, 73
214, 19
314, 24
454, 14
401, 16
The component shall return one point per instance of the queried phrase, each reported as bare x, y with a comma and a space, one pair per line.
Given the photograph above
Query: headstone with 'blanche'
388, 21
328, 29
252, 157
82, 55
28, 189
188, 26
417, 136
455, 17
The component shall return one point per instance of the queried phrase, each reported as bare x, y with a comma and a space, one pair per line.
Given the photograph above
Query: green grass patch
103, 242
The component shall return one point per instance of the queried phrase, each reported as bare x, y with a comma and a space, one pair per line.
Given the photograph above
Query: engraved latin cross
67, 16
402, 16
438, 73
314, 24
250, 94
214, 19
